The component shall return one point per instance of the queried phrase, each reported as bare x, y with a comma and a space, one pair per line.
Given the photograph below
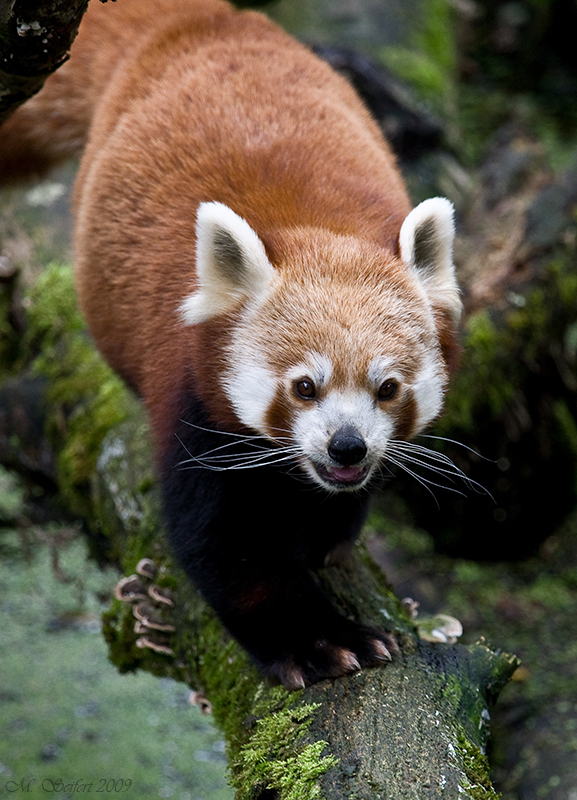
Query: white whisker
460, 444
406, 453
222, 433
423, 481
200, 464
418, 455
439, 471
246, 437
402, 463
222, 455
243, 457
264, 453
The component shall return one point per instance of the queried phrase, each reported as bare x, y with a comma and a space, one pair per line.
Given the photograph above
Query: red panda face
335, 353
336, 371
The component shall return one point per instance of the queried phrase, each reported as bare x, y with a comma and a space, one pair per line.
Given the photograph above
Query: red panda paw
363, 647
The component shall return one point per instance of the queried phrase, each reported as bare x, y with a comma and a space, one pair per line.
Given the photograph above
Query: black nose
347, 446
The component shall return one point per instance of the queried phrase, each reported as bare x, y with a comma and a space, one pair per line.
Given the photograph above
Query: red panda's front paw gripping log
360, 647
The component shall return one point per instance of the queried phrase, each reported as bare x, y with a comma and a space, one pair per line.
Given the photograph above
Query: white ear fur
231, 264
426, 242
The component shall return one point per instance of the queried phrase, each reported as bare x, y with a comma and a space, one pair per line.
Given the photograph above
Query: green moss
476, 768
486, 366
125, 504
277, 758
85, 398
501, 349
11, 496
119, 633
226, 675
117, 629
453, 692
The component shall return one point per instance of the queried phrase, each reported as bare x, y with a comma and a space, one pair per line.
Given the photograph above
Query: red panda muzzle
347, 446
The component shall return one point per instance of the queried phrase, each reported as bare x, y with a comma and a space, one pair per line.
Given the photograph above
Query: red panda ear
426, 244
231, 264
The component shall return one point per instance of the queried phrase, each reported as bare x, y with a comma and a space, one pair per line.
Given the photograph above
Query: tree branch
35, 38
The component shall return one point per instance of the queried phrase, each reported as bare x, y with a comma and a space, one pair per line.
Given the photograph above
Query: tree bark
35, 38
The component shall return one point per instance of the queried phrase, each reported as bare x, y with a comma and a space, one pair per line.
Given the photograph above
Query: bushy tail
47, 129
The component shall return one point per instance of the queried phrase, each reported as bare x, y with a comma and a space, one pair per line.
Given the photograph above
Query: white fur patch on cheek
251, 389
428, 391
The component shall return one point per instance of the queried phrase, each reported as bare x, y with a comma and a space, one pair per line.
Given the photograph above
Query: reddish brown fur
146, 71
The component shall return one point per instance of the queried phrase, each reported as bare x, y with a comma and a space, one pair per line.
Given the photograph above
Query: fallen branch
35, 38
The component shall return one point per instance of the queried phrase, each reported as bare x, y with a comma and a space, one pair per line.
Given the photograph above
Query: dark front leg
292, 631
247, 539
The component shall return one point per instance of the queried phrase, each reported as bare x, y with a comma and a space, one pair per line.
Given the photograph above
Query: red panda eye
388, 390
305, 389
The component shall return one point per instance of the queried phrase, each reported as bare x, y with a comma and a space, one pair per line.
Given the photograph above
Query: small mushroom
410, 606
440, 628
150, 616
161, 596
147, 568
199, 699
129, 589
159, 646
140, 627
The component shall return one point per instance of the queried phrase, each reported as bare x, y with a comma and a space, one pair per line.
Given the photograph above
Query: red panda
247, 259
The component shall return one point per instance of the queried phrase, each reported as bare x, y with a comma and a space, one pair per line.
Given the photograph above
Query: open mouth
344, 477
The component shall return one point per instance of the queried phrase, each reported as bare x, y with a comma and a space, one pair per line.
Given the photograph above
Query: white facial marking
381, 369
315, 426
251, 388
317, 366
428, 391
